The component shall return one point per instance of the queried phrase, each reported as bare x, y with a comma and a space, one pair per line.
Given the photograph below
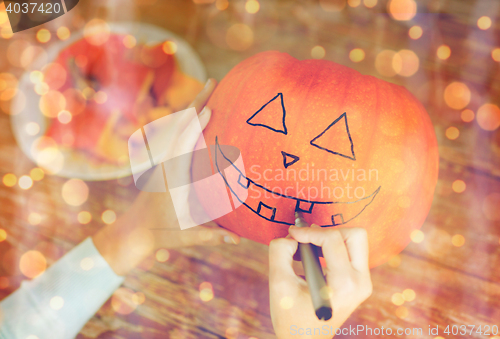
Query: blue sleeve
58, 303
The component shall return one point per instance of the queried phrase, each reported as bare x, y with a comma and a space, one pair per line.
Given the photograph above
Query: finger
330, 241
280, 260
356, 240
204, 117
202, 97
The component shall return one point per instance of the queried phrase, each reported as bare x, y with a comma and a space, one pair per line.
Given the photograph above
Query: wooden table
453, 285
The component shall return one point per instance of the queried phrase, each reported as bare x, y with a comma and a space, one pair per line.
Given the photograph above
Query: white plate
75, 164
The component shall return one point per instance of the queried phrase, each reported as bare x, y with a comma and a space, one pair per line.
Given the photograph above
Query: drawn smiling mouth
276, 207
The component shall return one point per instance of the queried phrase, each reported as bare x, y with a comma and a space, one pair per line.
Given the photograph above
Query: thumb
281, 253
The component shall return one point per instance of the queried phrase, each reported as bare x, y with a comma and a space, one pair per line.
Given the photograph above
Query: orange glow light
415, 32
75, 192
129, 41
354, 3
452, 133
458, 240
162, 255
370, 3
239, 37
318, 52
63, 33
32, 264
443, 52
108, 217
417, 236
37, 174
169, 47
458, 186
357, 55
484, 22
457, 95
383, 63
402, 10
43, 35
221, 4
495, 54
9, 180
3, 235
332, 5
467, 115
84, 217
252, 6
488, 117
405, 63
25, 182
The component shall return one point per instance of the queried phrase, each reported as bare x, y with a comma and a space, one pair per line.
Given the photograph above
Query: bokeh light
129, 41
458, 186
415, 32
52, 103
64, 117
9, 180
383, 63
221, 4
484, 22
409, 294
405, 63
108, 216
318, 52
96, 32
34, 218
206, 291
490, 206
417, 236
162, 255
488, 117
354, 3
332, 5
452, 133
25, 182
63, 33
122, 302
402, 10
252, 6
495, 54
398, 299
239, 37
394, 261
467, 115
50, 158
56, 303
402, 312
84, 217
75, 192
3, 234
458, 240
457, 95
43, 35
138, 298
443, 52
370, 3
32, 128
357, 55
32, 264
169, 47
101, 97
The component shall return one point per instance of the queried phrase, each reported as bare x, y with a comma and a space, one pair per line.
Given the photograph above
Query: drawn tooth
243, 182
337, 219
304, 206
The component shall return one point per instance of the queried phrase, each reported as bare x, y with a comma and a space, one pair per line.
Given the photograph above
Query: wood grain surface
453, 285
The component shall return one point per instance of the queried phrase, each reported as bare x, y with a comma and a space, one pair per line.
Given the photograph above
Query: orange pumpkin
348, 150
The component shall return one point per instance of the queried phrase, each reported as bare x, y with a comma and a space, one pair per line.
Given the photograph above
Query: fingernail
204, 111
207, 83
228, 239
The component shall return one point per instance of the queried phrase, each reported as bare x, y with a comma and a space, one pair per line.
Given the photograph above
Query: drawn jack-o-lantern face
317, 137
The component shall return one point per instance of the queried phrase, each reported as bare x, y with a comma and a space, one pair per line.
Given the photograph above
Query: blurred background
64, 164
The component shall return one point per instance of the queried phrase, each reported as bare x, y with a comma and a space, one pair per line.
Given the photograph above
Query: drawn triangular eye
336, 139
271, 115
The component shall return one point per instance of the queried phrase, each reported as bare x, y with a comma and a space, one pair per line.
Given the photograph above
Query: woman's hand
347, 274
152, 222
